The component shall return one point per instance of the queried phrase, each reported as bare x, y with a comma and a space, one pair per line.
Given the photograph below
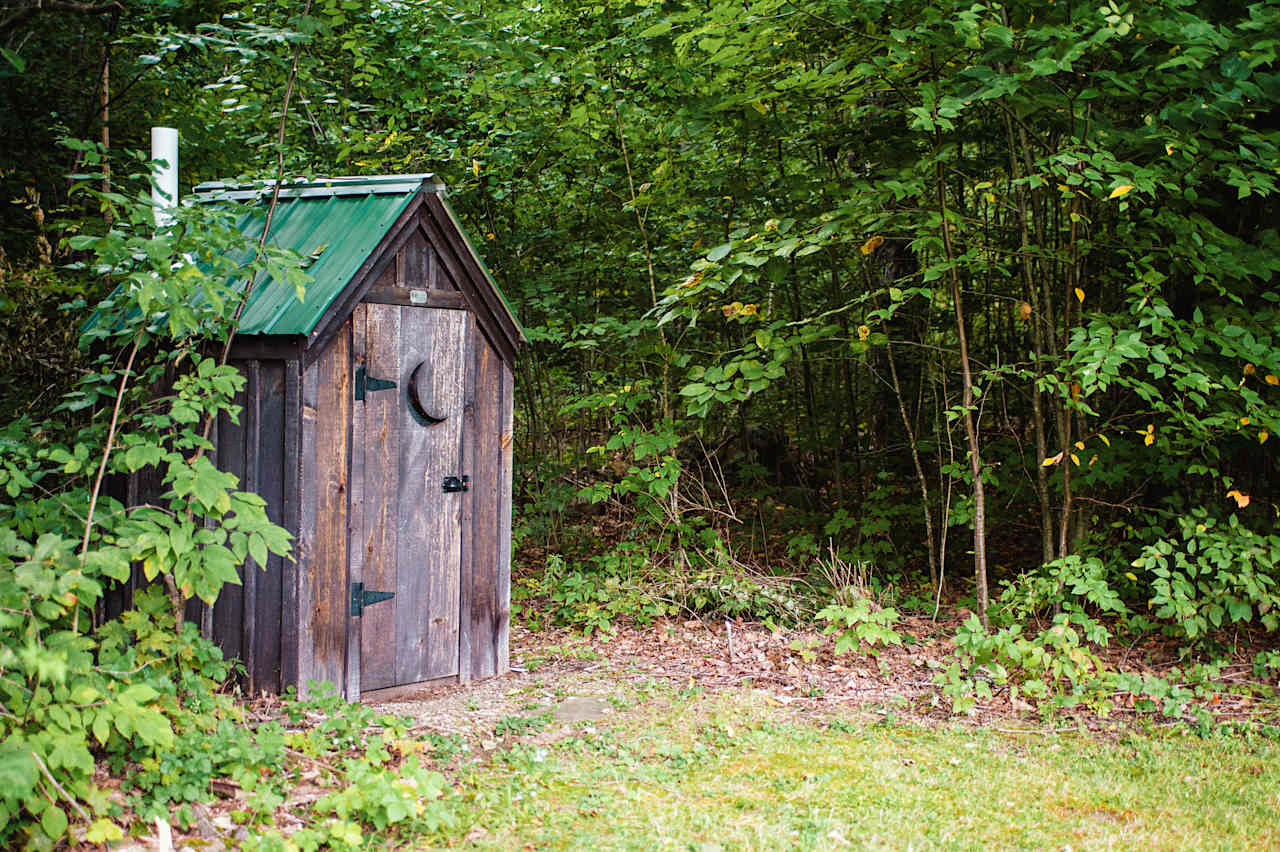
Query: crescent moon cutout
419, 408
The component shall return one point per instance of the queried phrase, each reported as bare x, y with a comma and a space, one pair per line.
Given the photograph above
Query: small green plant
1219, 574
807, 649
445, 747
518, 726
861, 624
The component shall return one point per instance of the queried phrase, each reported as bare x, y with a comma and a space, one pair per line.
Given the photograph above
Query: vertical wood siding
323, 590
381, 501
428, 550
486, 614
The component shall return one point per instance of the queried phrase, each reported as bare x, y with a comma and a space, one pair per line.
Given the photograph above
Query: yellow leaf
1122, 189
1093, 459
1105, 440
1272, 380
1131, 575
1242, 500
1244, 421
693, 280
1080, 294
872, 244
1051, 461
1149, 436
1075, 459
1079, 445
1263, 436
760, 108
1168, 148
1249, 369
1024, 310
475, 168
863, 332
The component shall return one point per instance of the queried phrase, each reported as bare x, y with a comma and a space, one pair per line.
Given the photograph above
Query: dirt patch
793, 669
796, 669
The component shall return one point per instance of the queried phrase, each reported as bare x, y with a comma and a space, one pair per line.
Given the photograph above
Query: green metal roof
339, 221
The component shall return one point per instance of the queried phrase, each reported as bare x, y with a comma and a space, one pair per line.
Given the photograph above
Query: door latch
456, 483
361, 598
365, 382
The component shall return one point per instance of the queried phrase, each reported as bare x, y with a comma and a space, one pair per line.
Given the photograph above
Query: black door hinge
361, 599
456, 483
365, 382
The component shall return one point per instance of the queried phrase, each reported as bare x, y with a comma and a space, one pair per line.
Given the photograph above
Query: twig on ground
1075, 728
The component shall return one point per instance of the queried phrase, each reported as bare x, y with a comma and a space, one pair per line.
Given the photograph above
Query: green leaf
139, 693
720, 252
153, 728
104, 831
258, 550
660, 28
18, 768
54, 822
141, 455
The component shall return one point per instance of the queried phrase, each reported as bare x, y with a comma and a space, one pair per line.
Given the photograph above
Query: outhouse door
410, 396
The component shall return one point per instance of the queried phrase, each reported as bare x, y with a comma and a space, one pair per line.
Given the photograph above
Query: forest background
837, 310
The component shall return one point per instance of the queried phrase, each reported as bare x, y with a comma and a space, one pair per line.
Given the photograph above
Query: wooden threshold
404, 690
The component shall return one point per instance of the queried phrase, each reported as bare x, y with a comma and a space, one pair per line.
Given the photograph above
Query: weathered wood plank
251, 420
416, 261
355, 517
466, 555
396, 693
486, 482
308, 554
269, 620
429, 539
292, 463
506, 441
447, 300
327, 573
449, 348
381, 438
435, 281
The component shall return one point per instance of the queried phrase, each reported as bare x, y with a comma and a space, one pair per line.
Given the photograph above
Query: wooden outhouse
377, 424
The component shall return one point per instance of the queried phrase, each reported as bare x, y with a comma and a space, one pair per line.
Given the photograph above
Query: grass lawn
732, 772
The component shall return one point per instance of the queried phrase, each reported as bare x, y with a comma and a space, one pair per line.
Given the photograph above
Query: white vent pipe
164, 184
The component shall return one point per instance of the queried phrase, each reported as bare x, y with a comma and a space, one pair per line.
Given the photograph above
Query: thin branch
61, 791
102, 466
